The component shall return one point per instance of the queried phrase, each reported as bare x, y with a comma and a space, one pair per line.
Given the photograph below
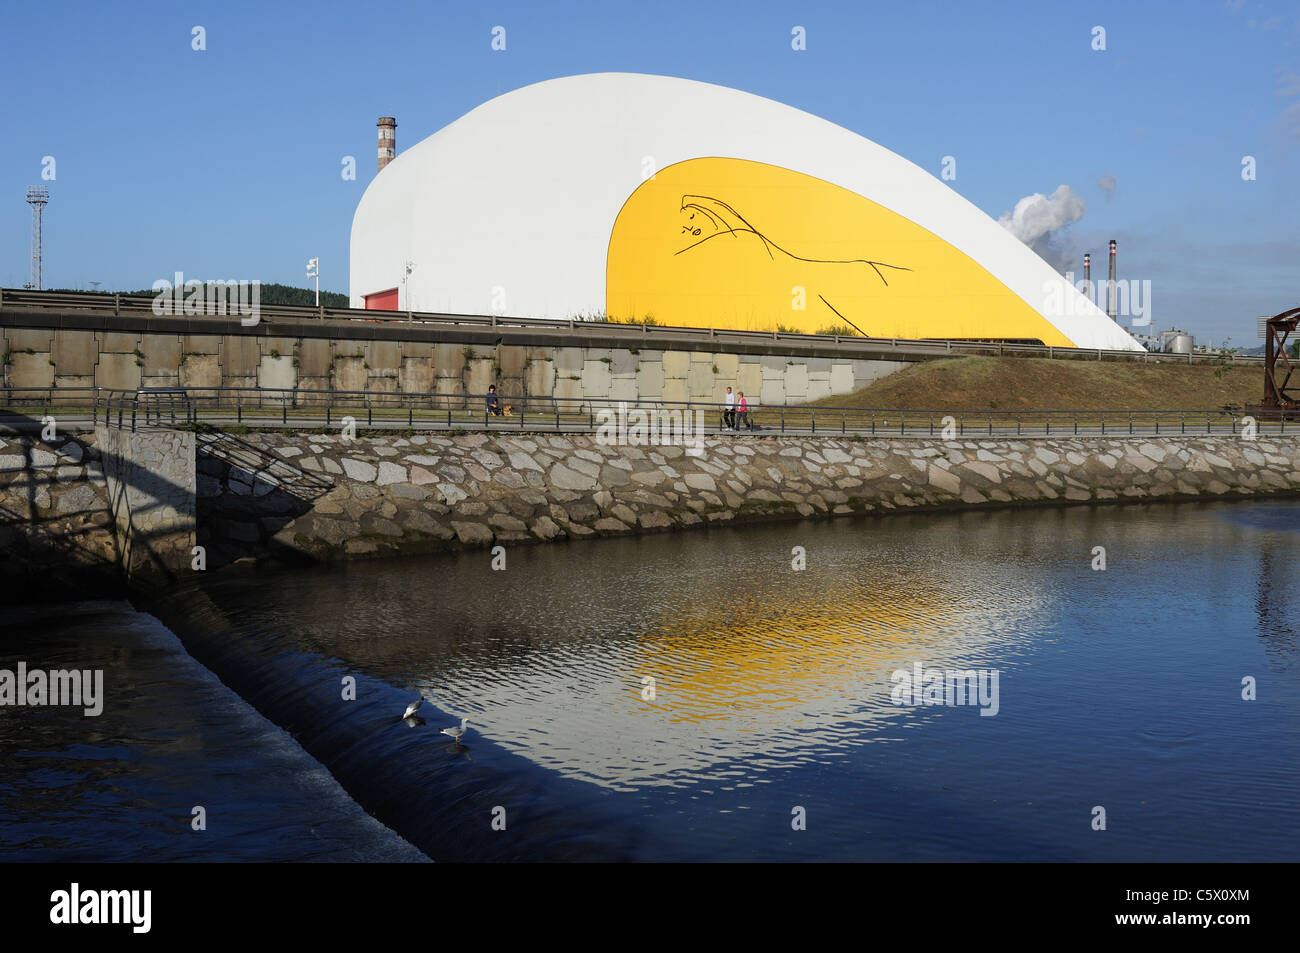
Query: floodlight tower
37, 196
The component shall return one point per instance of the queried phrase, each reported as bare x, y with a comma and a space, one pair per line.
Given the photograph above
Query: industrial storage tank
1176, 342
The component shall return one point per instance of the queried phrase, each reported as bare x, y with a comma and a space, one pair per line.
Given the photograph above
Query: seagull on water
456, 733
413, 707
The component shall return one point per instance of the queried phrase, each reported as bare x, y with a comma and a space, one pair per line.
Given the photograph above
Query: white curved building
649, 197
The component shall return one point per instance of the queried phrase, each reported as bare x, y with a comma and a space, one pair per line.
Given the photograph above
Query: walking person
742, 408
729, 411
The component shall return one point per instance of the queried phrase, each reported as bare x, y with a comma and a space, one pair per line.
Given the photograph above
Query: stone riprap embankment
326, 498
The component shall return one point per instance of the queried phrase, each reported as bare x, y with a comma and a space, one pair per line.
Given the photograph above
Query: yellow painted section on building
730, 243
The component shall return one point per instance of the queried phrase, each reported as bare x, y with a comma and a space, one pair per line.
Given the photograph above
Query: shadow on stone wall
246, 496
75, 510
56, 536
149, 476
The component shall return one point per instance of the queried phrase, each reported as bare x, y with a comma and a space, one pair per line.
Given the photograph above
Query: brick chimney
387, 140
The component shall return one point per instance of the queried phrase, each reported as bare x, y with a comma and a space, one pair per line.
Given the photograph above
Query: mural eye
696, 232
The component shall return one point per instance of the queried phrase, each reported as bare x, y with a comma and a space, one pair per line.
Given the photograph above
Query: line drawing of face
701, 219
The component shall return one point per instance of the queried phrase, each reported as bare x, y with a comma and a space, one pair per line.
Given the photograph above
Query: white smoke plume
1038, 220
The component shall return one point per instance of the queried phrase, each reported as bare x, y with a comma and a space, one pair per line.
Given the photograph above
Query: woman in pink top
742, 410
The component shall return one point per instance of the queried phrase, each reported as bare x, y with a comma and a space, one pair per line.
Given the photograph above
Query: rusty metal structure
1279, 401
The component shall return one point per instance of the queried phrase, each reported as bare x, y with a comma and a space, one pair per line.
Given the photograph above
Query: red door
382, 300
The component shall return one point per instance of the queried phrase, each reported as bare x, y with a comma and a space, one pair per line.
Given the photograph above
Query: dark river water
123, 785
773, 701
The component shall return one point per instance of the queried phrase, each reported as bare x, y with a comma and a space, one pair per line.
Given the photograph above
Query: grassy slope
993, 383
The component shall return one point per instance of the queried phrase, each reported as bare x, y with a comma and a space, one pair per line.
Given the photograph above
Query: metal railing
157, 405
638, 335
330, 409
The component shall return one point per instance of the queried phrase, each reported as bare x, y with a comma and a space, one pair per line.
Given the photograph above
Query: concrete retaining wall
128, 360
149, 478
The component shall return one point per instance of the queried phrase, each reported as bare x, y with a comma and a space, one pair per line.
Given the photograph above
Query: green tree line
271, 293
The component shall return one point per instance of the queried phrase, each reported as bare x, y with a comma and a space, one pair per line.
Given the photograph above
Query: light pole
313, 271
410, 266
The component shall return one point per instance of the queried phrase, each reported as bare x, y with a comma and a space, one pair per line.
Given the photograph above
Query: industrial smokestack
387, 140
1110, 285
1087, 275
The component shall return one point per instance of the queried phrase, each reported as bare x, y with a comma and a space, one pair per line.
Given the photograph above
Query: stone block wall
327, 499
54, 520
143, 500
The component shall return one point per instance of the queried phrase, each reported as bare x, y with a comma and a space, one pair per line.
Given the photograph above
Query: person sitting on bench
493, 403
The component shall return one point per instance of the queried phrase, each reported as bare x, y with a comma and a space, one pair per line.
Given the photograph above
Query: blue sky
226, 162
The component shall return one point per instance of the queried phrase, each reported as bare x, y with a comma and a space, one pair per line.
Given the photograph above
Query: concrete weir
140, 502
